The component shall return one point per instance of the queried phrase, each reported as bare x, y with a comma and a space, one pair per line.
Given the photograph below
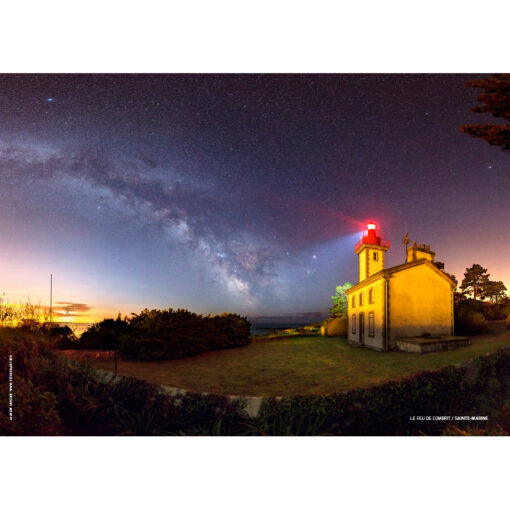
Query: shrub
337, 327
211, 415
164, 334
508, 321
382, 410
469, 321
106, 335
170, 334
27, 350
289, 422
490, 310
229, 330
34, 408
34, 411
89, 406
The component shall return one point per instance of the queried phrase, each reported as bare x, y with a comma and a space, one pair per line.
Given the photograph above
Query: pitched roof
401, 267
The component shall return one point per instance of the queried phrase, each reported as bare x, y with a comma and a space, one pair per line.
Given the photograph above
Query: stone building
410, 300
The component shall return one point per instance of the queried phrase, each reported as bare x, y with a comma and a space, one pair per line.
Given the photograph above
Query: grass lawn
298, 366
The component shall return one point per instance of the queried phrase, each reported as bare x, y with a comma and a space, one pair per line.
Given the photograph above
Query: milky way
243, 193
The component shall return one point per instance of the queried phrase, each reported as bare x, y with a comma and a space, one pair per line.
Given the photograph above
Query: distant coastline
262, 325
259, 326
77, 327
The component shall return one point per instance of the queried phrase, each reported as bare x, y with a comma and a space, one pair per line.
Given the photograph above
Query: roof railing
385, 243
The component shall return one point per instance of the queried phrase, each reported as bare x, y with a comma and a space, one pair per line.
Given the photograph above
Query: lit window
361, 299
371, 324
353, 320
376, 256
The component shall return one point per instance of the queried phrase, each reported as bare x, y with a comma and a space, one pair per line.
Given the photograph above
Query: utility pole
51, 297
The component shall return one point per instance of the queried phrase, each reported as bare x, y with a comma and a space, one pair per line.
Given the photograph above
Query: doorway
362, 328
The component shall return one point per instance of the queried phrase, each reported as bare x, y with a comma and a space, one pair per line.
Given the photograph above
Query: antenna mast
51, 297
405, 241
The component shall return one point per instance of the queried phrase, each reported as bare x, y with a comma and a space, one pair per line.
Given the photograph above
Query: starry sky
242, 193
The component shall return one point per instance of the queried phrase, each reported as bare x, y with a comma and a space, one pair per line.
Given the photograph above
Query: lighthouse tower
371, 250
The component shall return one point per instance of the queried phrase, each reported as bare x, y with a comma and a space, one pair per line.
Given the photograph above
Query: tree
440, 266
105, 335
475, 280
339, 308
494, 291
496, 101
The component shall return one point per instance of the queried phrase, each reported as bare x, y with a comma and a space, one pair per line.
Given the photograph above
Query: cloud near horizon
70, 309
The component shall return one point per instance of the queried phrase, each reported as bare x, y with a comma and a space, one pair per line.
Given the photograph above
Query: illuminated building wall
408, 300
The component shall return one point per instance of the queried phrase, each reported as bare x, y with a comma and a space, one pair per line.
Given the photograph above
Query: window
361, 299
353, 320
371, 296
371, 324
376, 255
354, 301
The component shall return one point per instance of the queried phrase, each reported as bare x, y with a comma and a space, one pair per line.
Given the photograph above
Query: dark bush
229, 330
211, 415
34, 408
172, 334
164, 334
105, 335
490, 310
34, 411
468, 320
53, 332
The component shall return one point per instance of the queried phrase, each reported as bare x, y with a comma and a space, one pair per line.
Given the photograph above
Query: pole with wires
51, 297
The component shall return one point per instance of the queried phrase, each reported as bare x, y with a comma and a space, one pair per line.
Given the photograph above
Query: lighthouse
371, 250
397, 307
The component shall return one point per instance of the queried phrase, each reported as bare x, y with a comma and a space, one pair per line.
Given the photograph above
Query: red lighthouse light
370, 236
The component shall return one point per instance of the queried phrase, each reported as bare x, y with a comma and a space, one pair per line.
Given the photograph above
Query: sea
263, 327
77, 327
258, 327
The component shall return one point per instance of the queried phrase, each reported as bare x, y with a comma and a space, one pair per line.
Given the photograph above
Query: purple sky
240, 193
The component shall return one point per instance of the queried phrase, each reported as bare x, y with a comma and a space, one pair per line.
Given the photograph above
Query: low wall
252, 405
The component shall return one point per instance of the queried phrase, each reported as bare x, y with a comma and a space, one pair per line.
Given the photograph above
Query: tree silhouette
440, 266
494, 291
475, 280
496, 101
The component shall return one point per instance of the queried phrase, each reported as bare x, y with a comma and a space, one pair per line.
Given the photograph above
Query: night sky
241, 193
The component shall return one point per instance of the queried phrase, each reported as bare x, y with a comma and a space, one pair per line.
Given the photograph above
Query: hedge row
164, 334
471, 316
388, 409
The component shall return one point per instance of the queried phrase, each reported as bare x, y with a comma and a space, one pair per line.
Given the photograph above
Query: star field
236, 192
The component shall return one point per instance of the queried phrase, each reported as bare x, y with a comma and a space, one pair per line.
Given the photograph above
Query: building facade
409, 300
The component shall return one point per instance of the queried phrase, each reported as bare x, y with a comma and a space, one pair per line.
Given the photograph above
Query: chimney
420, 251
